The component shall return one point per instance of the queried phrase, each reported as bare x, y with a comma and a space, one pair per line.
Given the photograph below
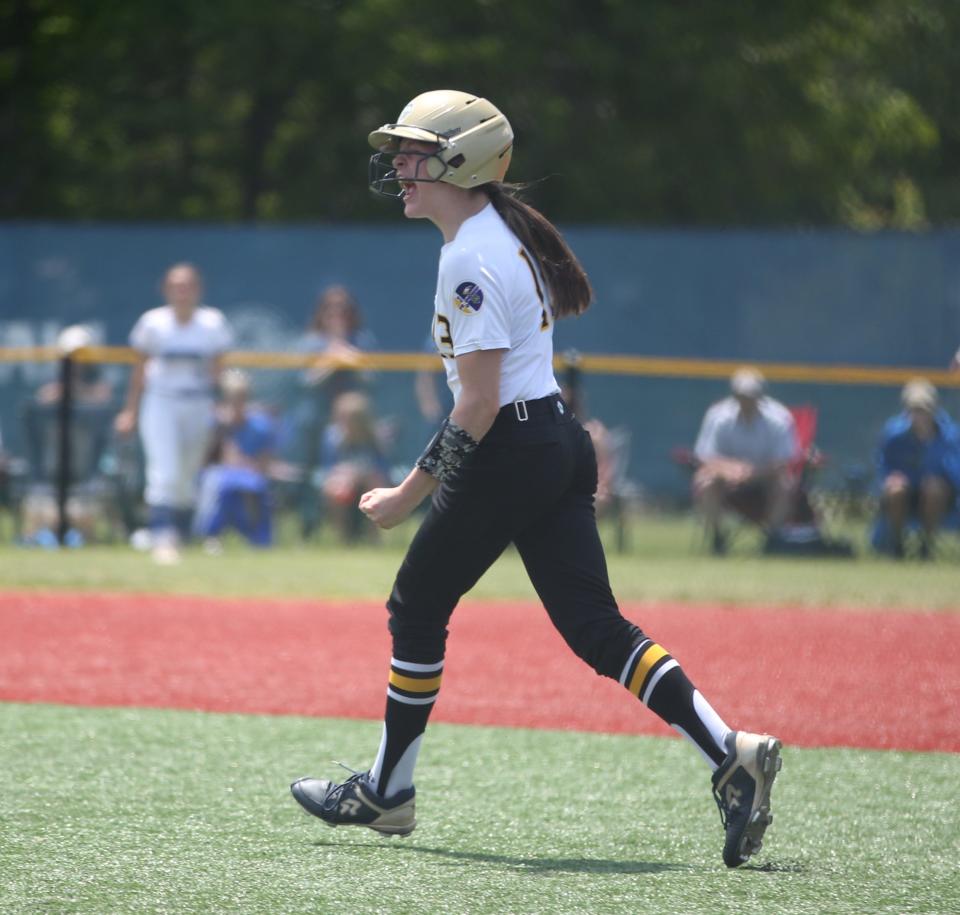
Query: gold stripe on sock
650, 657
412, 684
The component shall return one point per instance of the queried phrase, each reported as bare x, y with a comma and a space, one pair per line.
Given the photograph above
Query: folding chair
802, 529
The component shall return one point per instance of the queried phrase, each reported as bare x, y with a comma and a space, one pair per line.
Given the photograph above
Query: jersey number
444, 338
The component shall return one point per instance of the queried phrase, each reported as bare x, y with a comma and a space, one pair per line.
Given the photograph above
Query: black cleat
355, 803
741, 788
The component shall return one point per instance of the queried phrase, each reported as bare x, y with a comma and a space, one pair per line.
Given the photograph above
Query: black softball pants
530, 482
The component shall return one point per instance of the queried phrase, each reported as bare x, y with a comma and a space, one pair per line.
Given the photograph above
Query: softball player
171, 394
511, 464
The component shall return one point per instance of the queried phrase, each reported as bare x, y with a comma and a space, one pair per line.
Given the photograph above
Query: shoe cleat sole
769, 763
390, 831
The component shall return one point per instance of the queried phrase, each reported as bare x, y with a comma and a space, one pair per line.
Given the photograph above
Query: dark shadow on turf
528, 865
775, 867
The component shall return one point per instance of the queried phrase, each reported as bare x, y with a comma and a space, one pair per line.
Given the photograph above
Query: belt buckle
520, 408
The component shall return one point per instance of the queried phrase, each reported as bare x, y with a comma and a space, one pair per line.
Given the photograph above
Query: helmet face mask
382, 173
474, 141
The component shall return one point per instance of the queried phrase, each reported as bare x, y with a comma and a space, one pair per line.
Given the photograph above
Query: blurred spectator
89, 491
179, 350
571, 390
352, 461
336, 330
743, 451
429, 401
88, 386
918, 464
434, 400
235, 487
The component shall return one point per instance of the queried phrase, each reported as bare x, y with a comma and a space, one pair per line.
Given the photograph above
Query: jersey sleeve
886, 449
786, 443
141, 336
224, 333
475, 302
705, 448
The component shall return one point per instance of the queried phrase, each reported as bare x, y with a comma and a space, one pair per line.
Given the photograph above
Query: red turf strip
881, 680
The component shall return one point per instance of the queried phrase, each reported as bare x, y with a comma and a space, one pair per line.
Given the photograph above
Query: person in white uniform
511, 464
179, 349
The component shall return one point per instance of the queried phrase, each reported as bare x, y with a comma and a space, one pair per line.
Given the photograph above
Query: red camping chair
808, 457
806, 462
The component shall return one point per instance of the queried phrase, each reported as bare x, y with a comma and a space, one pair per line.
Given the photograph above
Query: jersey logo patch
469, 298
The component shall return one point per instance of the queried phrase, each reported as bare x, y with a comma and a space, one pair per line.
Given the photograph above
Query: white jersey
180, 356
490, 296
770, 437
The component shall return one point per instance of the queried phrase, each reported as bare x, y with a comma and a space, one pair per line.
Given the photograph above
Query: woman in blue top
918, 464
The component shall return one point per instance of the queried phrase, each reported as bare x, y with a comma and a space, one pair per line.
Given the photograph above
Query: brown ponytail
565, 278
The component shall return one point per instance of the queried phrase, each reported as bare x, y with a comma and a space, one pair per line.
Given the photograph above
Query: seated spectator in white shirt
744, 450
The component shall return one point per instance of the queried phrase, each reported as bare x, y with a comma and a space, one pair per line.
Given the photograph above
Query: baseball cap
919, 394
74, 337
234, 381
748, 382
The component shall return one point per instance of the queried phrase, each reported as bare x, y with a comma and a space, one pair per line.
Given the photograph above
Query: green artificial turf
130, 811
665, 562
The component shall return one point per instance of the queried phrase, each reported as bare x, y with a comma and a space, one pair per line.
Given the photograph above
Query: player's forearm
216, 369
726, 465
770, 469
135, 389
417, 486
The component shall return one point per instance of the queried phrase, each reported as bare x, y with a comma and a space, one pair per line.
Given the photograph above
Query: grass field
154, 811
665, 563
116, 811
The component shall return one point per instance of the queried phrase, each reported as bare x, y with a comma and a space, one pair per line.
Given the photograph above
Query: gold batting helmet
474, 140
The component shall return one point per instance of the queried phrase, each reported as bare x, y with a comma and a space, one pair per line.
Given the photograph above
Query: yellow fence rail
645, 366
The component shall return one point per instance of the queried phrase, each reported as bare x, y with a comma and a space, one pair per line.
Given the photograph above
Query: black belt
545, 409
187, 392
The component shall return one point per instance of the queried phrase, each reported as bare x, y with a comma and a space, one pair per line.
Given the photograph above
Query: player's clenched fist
387, 507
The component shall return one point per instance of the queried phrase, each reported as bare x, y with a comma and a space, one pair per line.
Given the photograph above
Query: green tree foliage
819, 112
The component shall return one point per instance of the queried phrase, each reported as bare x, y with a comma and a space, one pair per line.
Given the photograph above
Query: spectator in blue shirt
919, 467
234, 488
